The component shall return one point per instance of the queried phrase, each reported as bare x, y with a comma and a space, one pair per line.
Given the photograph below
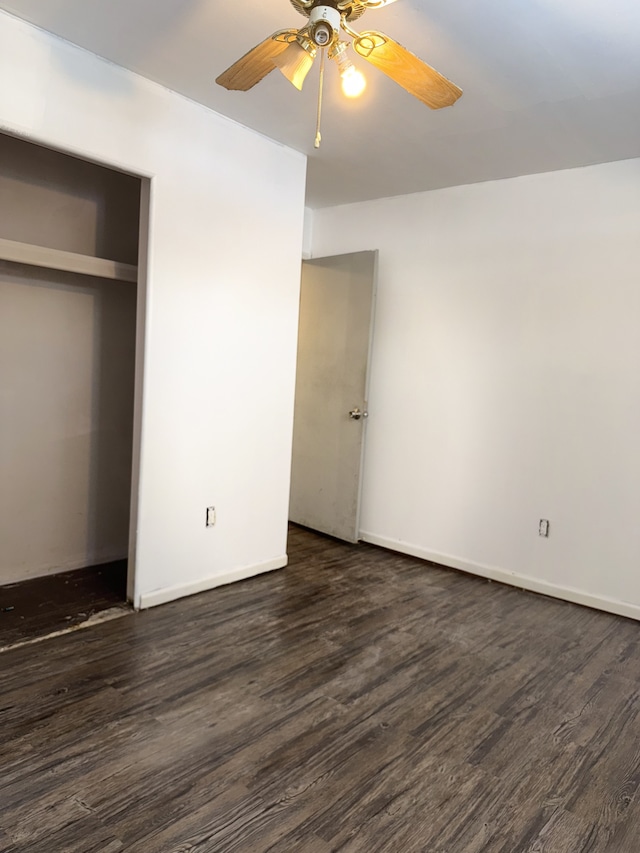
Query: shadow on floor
38, 607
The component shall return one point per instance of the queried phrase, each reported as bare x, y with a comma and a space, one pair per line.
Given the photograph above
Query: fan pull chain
318, 139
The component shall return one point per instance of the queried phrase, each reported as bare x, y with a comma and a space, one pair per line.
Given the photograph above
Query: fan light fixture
293, 51
296, 61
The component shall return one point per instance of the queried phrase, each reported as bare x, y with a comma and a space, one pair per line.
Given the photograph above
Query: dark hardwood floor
38, 607
358, 701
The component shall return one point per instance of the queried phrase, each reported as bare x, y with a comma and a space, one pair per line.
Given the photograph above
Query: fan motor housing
351, 11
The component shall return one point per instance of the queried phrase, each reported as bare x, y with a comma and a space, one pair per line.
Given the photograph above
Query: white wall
307, 233
221, 317
505, 377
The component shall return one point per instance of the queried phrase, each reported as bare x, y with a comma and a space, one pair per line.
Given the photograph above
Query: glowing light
353, 82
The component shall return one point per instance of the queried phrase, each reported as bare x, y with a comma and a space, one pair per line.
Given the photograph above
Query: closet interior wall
67, 364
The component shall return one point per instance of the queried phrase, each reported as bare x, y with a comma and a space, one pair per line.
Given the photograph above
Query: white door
336, 312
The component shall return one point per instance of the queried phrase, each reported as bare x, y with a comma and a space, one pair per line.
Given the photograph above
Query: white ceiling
548, 84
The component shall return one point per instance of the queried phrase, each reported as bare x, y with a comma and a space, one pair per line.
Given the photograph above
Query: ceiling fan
293, 52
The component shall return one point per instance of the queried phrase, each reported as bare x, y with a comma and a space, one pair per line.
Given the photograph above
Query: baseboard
575, 596
171, 593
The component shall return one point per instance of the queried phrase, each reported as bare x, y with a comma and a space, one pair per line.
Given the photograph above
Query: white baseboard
171, 593
575, 596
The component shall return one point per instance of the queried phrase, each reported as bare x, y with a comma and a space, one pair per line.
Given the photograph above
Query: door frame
309, 256
367, 384
144, 246
147, 180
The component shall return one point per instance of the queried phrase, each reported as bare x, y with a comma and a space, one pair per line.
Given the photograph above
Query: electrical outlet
543, 528
211, 516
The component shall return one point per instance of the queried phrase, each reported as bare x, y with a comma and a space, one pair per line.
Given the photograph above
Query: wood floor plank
384, 815
565, 833
6, 844
212, 759
73, 830
358, 701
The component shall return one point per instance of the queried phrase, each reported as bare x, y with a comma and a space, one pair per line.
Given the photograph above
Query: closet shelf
56, 259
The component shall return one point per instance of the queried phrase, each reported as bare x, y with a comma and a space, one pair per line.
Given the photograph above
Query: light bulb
353, 82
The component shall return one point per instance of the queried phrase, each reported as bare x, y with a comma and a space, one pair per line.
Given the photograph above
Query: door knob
356, 414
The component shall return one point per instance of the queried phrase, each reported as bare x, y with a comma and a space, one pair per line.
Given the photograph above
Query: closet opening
71, 322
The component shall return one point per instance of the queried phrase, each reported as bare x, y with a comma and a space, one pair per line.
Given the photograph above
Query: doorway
337, 301
70, 304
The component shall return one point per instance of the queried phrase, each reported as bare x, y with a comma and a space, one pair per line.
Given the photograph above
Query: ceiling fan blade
375, 4
257, 63
404, 67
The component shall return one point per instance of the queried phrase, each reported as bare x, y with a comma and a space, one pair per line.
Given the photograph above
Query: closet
68, 281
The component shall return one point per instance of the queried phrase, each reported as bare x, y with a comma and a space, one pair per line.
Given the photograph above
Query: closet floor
42, 606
